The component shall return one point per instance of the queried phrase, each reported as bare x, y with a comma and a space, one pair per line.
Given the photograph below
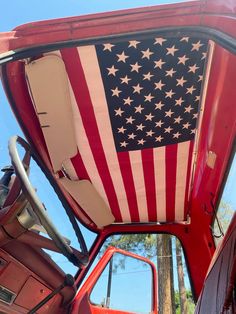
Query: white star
147, 76
138, 109
193, 131
148, 97
183, 59
188, 109
159, 85
149, 117
176, 135
141, 142
146, 54
200, 78
190, 90
159, 105
181, 81
137, 89
122, 57
170, 72
169, 94
186, 125
112, 71
150, 133
193, 68
116, 92
119, 112
169, 113
159, 41
196, 46
123, 144
168, 130
195, 115
197, 98
140, 126
121, 130
204, 54
159, 138
184, 39
178, 102
133, 43
127, 101
130, 120
108, 47
177, 120
131, 136
125, 80
171, 50
135, 67
159, 123
159, 64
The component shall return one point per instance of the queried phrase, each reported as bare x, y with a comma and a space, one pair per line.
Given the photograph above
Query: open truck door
121, 282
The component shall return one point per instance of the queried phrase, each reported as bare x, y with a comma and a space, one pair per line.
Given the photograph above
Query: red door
121, 282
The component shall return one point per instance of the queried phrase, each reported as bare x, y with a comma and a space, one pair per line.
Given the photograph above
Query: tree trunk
165, 275
182, 290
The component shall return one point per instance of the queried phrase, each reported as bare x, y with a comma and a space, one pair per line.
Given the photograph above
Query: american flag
136, 105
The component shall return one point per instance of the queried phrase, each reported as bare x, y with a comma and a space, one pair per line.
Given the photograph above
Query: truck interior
130, 115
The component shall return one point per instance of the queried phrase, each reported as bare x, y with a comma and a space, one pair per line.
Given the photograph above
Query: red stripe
78, 82
79, 167
149, 179
126, 172
171, 167
186, 200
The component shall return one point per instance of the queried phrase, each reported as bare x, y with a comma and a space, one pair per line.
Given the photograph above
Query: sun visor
49, 87
89, 199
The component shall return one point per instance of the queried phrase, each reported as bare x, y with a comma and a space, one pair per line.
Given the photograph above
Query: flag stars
119, 112
137, 89
122, 57
195, 115
148, 97
140, 127
193, 68
131, 136
184, 39
204, 54
171, 50
127, 101
196, 46
139, 109
181, 81
178, 102
112, 71
146, 53
169, 113
123, 144
197, 98
108, 47
149, 117
169, 94
135, 67
141, 142
168, 130
182, 60
159, 138
121, 130
116, 92
130, 120
150, 133
159, 123
133, 43
188, 109
159, 105
178, 119
176, 135
125, 80
186, 125
170, 72
190, 90
193, 131
159, 64
159, 41
159, 85
200, 78
147, 76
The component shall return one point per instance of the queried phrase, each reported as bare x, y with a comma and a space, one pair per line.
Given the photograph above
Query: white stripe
181, 176
93, 77
139, 184
85, 151
160, 182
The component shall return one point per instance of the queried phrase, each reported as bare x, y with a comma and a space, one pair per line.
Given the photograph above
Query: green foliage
190, 303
